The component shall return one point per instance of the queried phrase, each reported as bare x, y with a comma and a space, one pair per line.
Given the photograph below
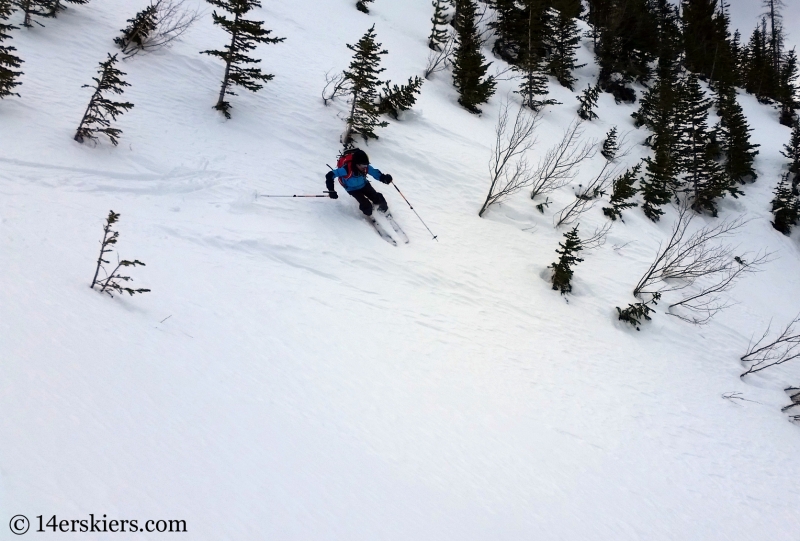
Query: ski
381, 231
396, 227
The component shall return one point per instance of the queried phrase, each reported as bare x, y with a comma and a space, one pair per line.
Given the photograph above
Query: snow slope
292, 376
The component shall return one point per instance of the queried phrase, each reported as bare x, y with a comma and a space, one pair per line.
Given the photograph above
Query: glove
333, 195
329, 176
386, 179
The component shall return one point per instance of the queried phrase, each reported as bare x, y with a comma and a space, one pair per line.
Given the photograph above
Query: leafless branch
586, 197
683, 261
173, 19
440, 60
509, 169
598, 238
335, 86
737, 396
766, 353
560, 165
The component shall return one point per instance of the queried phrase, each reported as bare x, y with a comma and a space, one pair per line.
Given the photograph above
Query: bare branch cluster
560, 165
598, 238
766, 353
172, 19
509, 169
336, 86
685, 260
587, 196
440, 59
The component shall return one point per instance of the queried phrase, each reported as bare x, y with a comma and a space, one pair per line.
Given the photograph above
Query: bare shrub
169, 20
560, 165
766, 353
509, 169
439, 60
336, 86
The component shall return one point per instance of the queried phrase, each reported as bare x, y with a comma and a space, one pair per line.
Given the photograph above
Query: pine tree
775, 34
101, 111
623, 190
785, 207
438, 36
706, 40
363, 5
531, 61
245, 36
759, 74
734, 138
113, 280
588, 101
788, 88
469, 68
30, 8
395, 99
8, 61
138, 30
610, 144
563, 268
510, 27
561, 40
56, 7
363, 77
791, 150
694, 148
658, 184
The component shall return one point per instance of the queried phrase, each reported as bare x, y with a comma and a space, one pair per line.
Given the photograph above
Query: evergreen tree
623, 190
245, 34
627, 44
8, 61
588, 101
395, 99
30, 8
791, 150
363, 78
734, 138
785, 207
138, 30
438, 35
775, 34
695, 152
363, 5
469, 68
510, 27
759, 74
56, 7
561, 40
113, 281
659, 182
563, 268
101, 111
706, 41
531, 63
787, 88
610, 144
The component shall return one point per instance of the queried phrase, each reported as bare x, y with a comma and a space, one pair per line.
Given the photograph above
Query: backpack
346, 161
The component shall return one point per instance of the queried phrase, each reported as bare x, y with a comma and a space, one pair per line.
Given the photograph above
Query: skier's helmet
360, 157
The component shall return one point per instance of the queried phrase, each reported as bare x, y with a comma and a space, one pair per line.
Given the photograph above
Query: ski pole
262, 195
435, 237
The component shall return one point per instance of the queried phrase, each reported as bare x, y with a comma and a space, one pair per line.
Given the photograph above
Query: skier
352, 169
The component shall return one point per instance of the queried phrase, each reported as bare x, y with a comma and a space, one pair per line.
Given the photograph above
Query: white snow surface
292, 376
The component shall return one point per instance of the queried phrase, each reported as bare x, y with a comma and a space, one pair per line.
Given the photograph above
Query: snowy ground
292, 376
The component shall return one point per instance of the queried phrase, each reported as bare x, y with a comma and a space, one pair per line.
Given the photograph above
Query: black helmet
360, 157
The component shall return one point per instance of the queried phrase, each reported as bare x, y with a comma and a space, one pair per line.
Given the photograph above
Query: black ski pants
366, 196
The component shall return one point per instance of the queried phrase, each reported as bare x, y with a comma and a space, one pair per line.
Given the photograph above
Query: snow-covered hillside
291, 376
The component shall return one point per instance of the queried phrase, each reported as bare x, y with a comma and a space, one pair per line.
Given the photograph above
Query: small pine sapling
588, 101
610, 145
636, 312
8, 61
56, 7
563, 268
622, 191
362, 77
113, 280
785, 207
101, 110
138, 30
362, 5
439, 34
395, 99
245, 36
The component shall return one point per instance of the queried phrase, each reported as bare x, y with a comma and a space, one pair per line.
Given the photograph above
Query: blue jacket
357, 181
